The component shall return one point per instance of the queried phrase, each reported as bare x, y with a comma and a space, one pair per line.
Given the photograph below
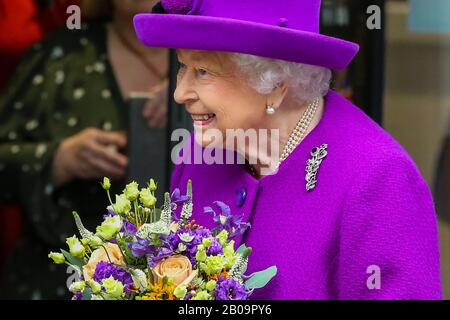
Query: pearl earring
270, 110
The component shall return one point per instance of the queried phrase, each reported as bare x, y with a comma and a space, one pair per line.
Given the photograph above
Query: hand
90, 154
155, 110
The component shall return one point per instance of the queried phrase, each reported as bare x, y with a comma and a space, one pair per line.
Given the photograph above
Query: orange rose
98, 255
178, 268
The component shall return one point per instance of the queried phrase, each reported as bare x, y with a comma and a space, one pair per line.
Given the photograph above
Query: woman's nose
185, 92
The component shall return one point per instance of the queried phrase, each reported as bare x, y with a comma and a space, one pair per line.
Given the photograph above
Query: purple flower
197, 236
78, 296
227, 221
177, 200
230, 289
161, 253
141, 248
105, 270
109, 213
129, 228
215, 248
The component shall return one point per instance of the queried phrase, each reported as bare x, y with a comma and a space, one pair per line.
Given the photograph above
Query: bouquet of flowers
141, 252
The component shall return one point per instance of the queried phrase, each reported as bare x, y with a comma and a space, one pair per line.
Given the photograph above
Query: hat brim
231, 35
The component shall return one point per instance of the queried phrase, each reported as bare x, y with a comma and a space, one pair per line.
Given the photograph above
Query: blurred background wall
417, 105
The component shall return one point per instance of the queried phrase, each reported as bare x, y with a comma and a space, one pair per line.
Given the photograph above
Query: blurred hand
155, 110
90, 154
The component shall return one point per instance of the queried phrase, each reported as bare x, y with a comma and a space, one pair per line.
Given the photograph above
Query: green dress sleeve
26, 147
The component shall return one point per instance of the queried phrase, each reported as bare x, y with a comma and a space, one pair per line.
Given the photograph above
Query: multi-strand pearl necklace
298, 133
300, 130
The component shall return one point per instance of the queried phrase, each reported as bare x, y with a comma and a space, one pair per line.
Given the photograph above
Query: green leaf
260, 279
72, 260
87, 294
241, 249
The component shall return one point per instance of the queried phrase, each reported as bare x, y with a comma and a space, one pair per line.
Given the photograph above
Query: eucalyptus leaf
87, 294
260, 279
241, 249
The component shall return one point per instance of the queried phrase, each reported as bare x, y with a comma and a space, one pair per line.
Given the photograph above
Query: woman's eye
202, 72
182, 65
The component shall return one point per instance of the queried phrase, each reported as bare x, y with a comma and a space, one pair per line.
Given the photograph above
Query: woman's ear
277, 96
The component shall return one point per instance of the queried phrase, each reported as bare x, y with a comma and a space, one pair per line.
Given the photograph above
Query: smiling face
217, 95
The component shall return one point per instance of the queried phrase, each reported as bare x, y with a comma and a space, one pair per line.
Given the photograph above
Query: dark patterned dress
63, 85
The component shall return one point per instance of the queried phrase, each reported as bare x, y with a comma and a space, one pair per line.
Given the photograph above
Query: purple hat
277, 29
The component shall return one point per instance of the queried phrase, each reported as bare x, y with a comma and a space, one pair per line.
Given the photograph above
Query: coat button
241, 195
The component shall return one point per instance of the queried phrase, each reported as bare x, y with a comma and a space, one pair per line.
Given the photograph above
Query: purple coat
370, 209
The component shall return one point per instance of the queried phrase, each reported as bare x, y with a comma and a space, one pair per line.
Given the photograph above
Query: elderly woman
345, 214
63, 121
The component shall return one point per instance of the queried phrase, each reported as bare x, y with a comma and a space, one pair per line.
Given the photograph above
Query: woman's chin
211, 137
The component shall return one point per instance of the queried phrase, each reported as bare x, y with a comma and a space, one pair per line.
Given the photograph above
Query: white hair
305, 82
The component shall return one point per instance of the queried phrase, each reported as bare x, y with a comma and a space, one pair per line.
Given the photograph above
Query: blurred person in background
26, 22
63, 127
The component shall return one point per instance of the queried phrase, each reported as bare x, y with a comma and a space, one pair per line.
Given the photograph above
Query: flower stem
136, 213
109, 197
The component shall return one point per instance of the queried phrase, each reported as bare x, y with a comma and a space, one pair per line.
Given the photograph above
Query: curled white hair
306, 82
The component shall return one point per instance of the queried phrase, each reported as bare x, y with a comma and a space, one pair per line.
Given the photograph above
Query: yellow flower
159, 291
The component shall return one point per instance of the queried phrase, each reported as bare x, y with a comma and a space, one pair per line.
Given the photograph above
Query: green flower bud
93, 241
152, 185
75, 247
228, 250
147, 199
57, 257
113, 287
122, 205
202, 295
131, 191
223, 237
95, 286
106, 183
210, 285
200, 255
180, 292
110, 227
77, 286
206, 242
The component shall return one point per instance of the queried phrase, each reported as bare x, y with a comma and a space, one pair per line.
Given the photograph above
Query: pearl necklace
300, 130
297, 134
